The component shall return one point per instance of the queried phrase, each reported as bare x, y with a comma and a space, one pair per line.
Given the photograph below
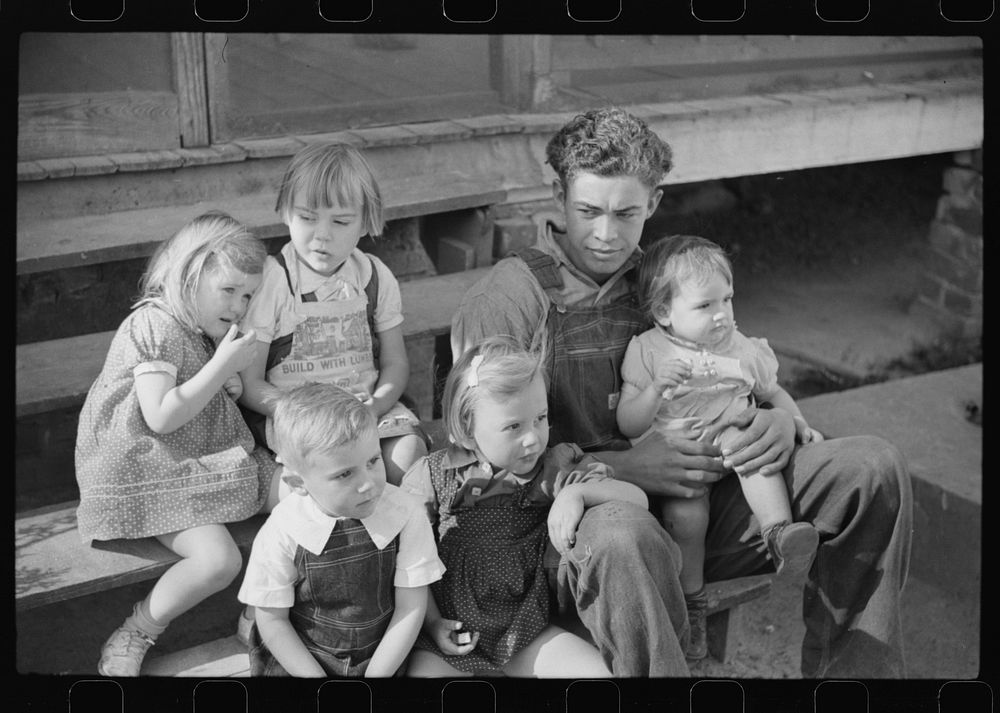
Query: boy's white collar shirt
311, 528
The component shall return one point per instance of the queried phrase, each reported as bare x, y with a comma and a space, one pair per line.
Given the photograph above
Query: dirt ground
779, 229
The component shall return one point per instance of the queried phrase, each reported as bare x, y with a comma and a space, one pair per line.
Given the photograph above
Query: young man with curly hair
574, 295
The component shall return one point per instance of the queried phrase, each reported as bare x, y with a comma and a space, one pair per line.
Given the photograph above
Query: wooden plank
223, 658
62, 125
80, 240
574, 52
827, 128
360, 114
52, 564
217, 85
58, 373
729, 593
188, 50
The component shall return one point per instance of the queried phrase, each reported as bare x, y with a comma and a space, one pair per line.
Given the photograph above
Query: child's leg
767, 497
399, 453
686, 519
425, 664
556, 653
210, 562
792, 546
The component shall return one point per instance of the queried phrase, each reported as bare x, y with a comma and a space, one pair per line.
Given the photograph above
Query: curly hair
673, 259
609, 142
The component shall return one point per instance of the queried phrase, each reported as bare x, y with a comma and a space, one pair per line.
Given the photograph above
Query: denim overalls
585, 349
344, 600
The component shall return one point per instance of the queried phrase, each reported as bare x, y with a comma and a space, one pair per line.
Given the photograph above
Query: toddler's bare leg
686, 519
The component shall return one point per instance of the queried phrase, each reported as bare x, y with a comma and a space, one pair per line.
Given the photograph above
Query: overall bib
344, 600
585, 348
334, 342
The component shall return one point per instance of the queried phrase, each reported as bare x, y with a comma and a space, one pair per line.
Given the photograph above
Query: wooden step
52, 564
50, 244
222, 658
58, 373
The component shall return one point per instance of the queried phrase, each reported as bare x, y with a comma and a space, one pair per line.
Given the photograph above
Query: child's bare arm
636, 408
393, 370
257, 392
568, 506
783, 400
411, 605
166, 406
284, 643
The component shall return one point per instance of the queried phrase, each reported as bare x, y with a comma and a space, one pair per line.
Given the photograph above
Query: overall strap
371, 292
543, 266
310, 297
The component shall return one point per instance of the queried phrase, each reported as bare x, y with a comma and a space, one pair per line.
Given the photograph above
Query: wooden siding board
64, 125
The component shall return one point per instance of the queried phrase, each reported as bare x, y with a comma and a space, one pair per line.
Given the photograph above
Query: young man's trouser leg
622, 575
857, 493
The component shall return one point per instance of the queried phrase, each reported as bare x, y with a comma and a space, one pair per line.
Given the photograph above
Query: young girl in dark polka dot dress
161, 448
495, 498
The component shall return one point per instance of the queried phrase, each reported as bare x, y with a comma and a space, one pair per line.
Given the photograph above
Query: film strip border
500, 696
671, 16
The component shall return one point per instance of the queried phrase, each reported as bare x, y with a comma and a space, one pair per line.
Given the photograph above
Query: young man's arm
411, 605
678, 465
284, 643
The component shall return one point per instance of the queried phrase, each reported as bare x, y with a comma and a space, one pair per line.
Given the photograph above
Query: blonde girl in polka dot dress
161, 447
495, 497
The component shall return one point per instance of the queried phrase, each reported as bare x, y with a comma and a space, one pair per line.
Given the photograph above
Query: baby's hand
672, 374
234, 387
564, 517
236, 353
446, 635
805, 433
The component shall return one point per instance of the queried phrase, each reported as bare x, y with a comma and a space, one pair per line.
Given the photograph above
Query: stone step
925, 416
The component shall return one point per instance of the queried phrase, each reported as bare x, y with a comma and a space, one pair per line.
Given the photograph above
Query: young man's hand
677, 465
766, 442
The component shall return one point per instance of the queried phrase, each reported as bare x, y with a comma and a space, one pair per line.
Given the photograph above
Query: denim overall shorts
344, 600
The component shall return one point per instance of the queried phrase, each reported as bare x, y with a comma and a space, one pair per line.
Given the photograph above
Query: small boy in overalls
338, 573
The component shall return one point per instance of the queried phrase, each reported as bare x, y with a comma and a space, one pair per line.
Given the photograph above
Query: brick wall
951, 288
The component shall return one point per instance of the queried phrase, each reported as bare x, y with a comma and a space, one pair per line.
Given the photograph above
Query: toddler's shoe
244, 626
697, 610
123, 652
792, 547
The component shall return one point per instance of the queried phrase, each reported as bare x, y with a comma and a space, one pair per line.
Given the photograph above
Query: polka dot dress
136, 483
495, 583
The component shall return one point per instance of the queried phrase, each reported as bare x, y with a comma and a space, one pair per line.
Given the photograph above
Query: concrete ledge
924, 416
